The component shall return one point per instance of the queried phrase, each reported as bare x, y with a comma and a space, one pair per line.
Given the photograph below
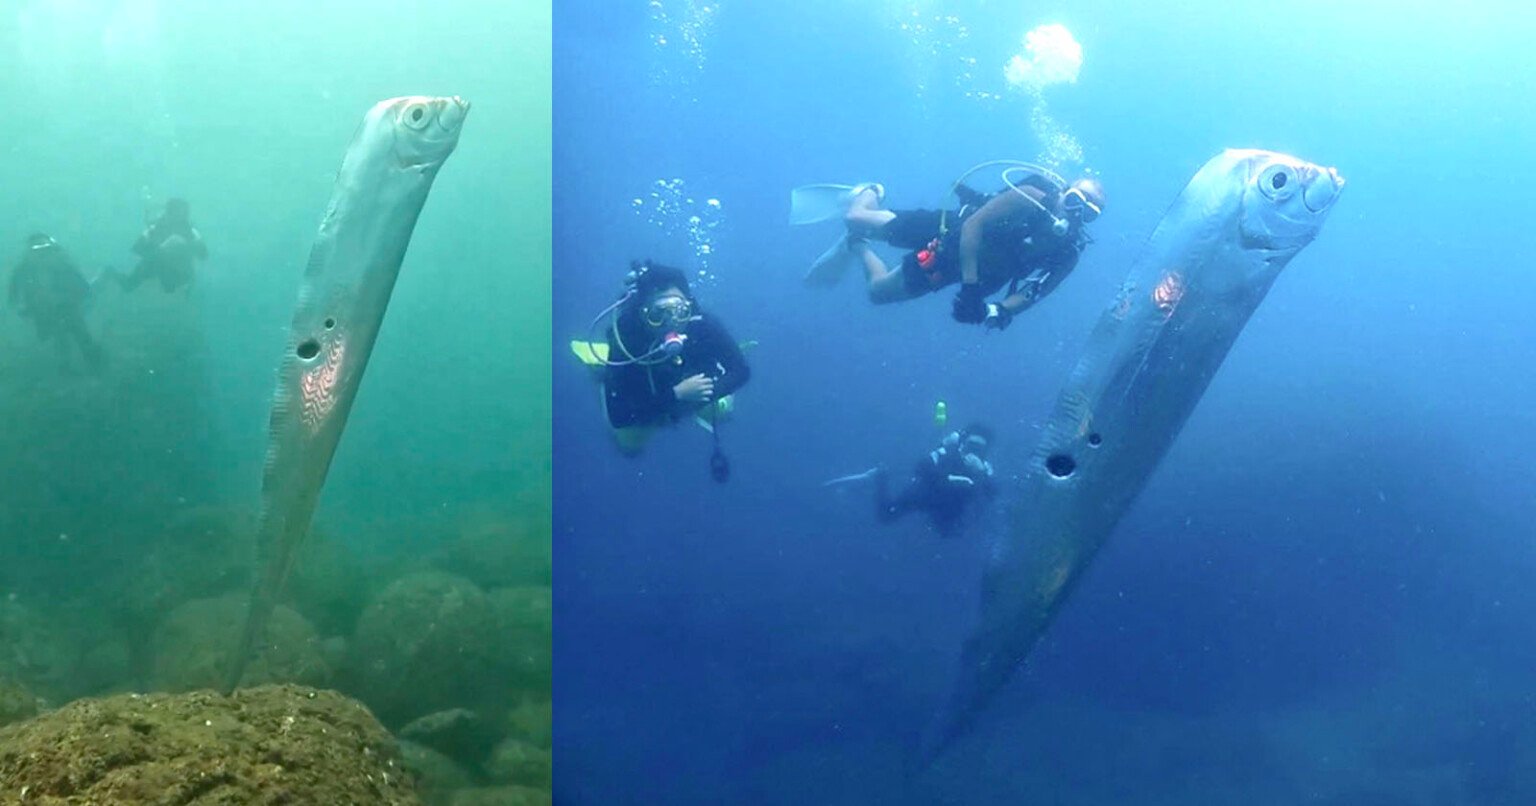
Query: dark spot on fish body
308, 349
1095, 440
1060, 465
330, 324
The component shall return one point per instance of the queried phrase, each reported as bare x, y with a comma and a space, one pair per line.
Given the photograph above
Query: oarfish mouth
1323, 190
453, 114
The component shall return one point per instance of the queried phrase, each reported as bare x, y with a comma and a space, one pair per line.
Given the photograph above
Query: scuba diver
945, 484
664, 360
1025, 238
48, 288
167, 249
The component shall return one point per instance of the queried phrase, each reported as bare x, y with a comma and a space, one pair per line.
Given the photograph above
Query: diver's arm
144, 246
732, 372
999, 207
199, 248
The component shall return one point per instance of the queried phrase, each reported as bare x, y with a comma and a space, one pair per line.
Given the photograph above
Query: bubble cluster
1050, 56
679, 215
678, 38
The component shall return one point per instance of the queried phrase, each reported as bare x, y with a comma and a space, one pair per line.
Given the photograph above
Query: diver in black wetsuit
1025, 239
48, 288
167, 250
667, 360
946, 483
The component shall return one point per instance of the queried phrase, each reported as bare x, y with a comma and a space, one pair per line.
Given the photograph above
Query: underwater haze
1323, 595
131, 489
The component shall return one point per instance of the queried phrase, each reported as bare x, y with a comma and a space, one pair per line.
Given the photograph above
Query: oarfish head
425, 129
1285, 200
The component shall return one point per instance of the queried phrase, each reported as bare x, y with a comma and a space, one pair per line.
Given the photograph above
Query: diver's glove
998, 317
970, 304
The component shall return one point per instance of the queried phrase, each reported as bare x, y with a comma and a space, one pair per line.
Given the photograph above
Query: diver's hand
998, 317
970, 305
696, 389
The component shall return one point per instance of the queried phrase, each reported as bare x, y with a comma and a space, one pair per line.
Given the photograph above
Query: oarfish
380, 190
1204, 271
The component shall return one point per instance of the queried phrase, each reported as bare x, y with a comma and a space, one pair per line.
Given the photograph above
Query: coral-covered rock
428, 642
267, 745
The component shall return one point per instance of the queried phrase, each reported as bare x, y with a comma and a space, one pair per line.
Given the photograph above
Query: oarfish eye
1278, 182
416, 116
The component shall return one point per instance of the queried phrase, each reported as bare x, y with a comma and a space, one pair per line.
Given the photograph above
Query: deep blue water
1323, 594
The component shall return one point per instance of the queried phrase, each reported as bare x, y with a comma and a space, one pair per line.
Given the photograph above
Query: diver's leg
883, 284
77, 332
864, 214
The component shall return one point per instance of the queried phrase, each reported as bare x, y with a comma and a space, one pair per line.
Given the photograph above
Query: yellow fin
591, 353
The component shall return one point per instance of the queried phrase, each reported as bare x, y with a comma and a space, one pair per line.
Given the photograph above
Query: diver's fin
838, 260
852, 478
809, 204
591, 353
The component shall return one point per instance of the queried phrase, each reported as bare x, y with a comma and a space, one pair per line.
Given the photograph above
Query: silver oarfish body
380, 190
1207, 266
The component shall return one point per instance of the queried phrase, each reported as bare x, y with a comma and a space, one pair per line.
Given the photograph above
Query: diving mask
669, 312
1074, 201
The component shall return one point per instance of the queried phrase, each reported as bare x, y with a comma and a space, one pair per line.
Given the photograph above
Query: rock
267, 745
436, 775
17, 703
105, 666
501, 796
532, 722
334, 651
427, 643
494, 551
330, 584
515, 762
523, 622
34, 650
192, 647
458, 732
202, 552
